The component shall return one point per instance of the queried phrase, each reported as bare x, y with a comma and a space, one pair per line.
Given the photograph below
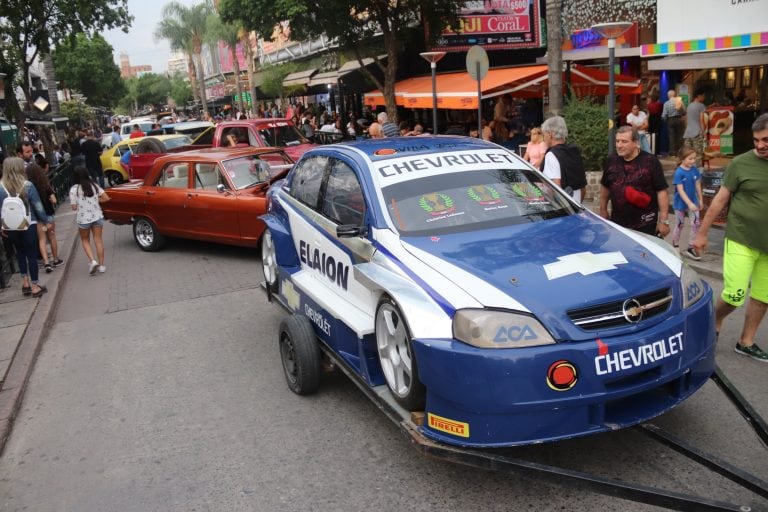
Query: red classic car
214, 194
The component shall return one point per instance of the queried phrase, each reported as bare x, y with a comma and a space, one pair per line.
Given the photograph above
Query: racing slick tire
146, 235
300, 355
396, 356
269, 262
151, 145
113, 178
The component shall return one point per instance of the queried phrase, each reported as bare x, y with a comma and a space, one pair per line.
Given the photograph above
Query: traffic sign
477, 62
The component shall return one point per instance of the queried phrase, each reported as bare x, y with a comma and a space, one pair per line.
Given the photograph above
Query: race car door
327, 261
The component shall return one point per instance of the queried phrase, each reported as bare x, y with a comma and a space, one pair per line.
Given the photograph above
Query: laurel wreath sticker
429, 205
492, 192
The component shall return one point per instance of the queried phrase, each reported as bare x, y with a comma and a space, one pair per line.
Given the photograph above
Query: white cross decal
291, 295
584, 263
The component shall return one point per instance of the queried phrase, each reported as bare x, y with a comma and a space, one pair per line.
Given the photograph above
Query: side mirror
350, 231
220, 188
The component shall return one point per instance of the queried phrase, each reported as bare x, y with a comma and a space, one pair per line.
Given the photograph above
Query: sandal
26, 290
48, 268
40, 292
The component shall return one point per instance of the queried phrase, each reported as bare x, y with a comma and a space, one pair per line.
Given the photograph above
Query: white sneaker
102, 268
92, 266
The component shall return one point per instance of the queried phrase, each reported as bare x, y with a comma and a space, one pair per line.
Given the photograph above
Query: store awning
353, 65
298, 78
459, 90
711, 60
323, 79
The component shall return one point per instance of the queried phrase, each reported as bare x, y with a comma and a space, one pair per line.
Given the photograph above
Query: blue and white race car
475, 290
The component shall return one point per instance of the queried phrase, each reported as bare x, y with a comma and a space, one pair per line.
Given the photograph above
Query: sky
139, 43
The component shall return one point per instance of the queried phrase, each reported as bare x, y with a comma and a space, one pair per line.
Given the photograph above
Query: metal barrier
61, 180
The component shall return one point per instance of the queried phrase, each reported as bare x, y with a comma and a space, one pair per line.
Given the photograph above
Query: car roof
189, 124
270, 121
398, 147
136, 140
218, 154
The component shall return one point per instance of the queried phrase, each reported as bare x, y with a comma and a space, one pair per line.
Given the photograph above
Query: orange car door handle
150, 192
190, 194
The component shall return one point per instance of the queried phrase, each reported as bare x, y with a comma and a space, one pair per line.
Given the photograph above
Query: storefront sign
495, 25
585, 38
720, 130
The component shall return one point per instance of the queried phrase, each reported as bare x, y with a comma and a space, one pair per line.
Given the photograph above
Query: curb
28, 349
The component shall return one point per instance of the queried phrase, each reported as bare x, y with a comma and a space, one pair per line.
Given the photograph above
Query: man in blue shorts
745, 256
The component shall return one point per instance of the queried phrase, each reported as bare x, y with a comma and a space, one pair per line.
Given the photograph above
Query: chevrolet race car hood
550, 266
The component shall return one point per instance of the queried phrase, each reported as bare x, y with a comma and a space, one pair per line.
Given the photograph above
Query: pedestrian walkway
24, 323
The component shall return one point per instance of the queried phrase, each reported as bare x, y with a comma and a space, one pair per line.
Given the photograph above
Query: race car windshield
471, 200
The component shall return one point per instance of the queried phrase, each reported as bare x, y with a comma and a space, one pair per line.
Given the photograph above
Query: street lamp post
433, 58
611, 31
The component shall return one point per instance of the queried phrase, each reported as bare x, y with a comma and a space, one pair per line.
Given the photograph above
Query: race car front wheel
300, 354
269, 261
397, 358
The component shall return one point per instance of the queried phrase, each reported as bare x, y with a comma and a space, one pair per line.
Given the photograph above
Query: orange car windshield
251, 170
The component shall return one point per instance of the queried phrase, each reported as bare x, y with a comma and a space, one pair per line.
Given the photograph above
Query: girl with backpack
21, 211
85, 196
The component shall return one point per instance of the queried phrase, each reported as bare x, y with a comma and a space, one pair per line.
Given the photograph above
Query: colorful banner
720, 130
494, 25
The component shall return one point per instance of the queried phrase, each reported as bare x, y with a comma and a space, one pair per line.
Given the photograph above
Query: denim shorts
99, 222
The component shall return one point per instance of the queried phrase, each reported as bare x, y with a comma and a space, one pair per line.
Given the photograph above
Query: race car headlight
693, 286
499, 329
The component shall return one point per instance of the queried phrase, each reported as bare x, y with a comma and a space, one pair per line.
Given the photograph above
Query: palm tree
184, 28
555, 56
229, 34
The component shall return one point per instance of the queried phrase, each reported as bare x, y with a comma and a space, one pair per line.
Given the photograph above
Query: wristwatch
664, 222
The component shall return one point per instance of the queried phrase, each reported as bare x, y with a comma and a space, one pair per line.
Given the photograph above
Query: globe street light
433, 58
611, 31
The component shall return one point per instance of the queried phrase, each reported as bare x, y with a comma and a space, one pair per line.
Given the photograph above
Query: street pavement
24, 322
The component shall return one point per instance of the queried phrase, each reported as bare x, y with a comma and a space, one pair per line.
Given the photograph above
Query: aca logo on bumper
562, 375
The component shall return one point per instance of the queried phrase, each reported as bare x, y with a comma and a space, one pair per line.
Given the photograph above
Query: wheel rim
145, 234
114, 178
268, 259
394, 350
288, 356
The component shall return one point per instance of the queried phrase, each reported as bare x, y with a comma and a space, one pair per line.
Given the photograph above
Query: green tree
350, 23
86, 64
272, 83
153, 89
586, 121
180, 90
184, 28
29, 28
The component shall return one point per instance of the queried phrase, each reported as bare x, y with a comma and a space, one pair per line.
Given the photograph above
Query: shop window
730, 79
746, 77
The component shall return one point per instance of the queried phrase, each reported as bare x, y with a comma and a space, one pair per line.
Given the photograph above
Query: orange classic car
213, 194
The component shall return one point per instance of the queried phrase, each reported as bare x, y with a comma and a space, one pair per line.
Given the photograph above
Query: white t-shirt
637, 120
552, 171
88, 208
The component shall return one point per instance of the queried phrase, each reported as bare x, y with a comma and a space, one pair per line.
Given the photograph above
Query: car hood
297, 150
552, 266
